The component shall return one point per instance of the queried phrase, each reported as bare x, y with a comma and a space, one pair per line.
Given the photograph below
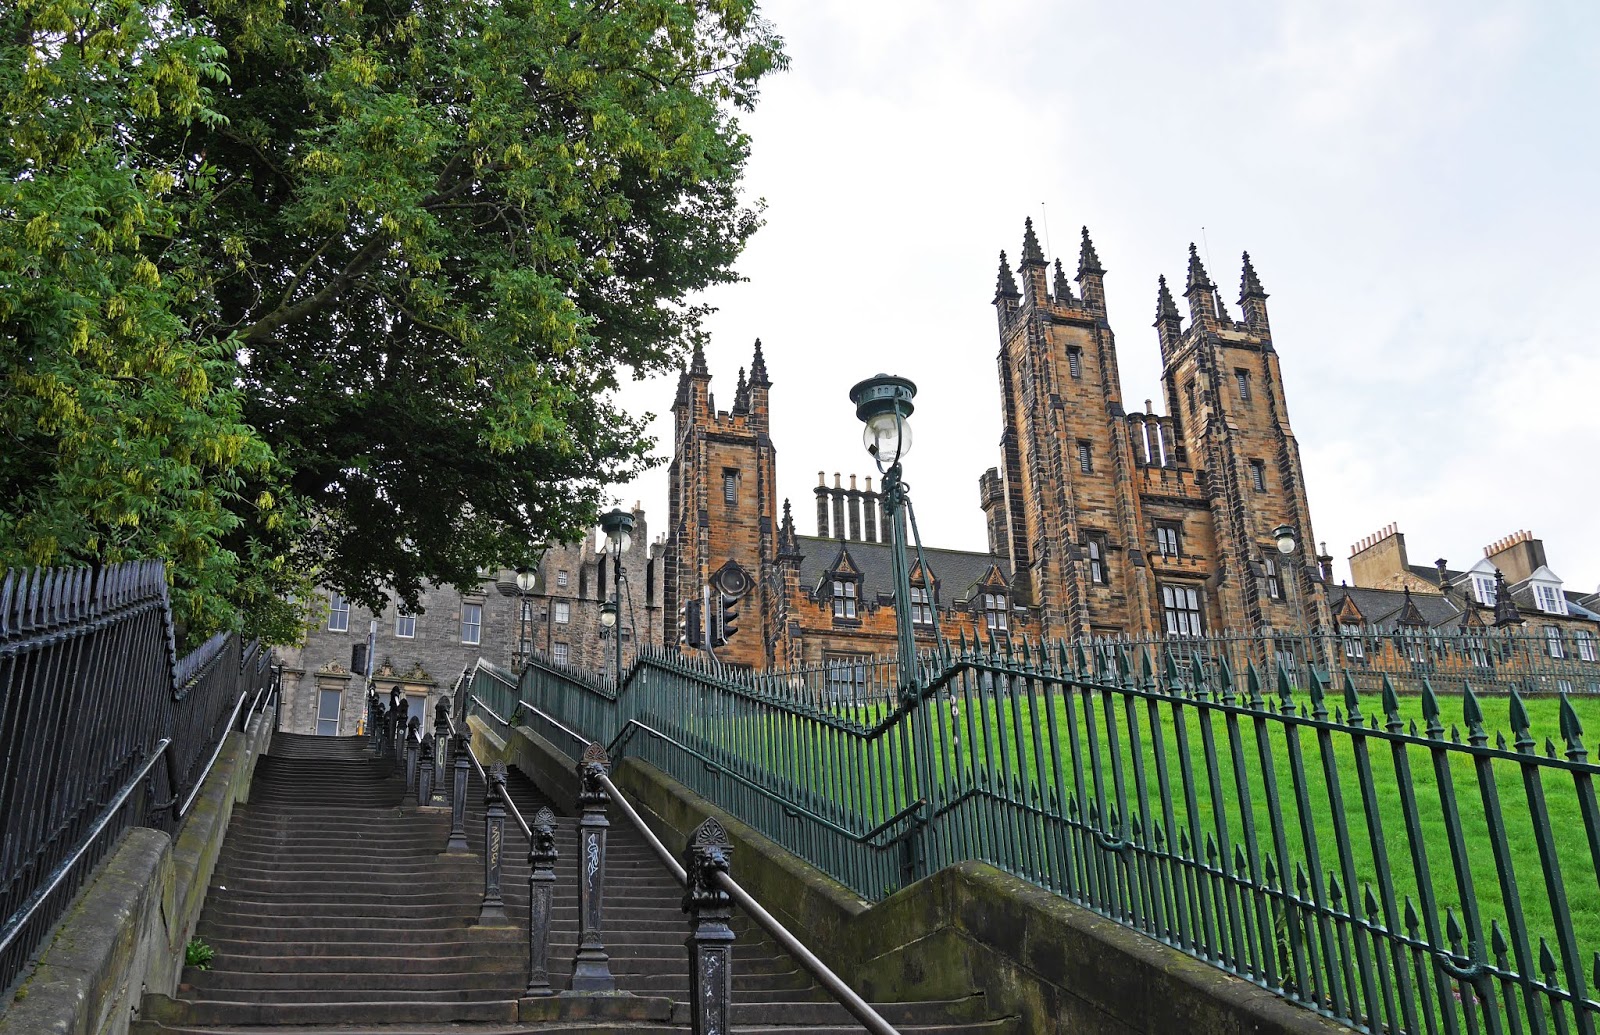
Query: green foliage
198, 954
341, 289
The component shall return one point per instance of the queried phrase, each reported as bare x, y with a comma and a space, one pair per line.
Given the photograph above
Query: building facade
1100, 521
423, 652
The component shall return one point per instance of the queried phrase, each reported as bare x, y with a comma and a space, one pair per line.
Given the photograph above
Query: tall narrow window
563, 612
1242, 378
1549, 600
1269, 568
1354, 649
921, 606
1483, 589
844, 598
338, 613
1075, 362
1085, 457
1194, 411
1258, 475
1099, 572
1583, 639
560, 653
1167, 540
1552, 639
1180, 606
405, 625
994, 611
471, 623
730, 486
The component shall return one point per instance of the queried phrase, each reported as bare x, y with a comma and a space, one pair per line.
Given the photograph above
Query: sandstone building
1100, 521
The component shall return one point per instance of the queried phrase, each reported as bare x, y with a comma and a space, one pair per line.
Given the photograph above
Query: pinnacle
1197, 271
1088, 261
697, 362
1005, 284
1166, 308
1249, 284
1063, 287
758, 369
1032, 254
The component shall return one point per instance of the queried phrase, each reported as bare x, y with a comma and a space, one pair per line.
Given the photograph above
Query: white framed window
338, 613
559, 653
1354, 648
563, 612
405, 624
921, 606
1167, 540
1483, 589
1099, 573
561, 579
1180, 606
995, 614
1583, 640
1269, 568
844, 598
1549, 599
1553, 642
471, 623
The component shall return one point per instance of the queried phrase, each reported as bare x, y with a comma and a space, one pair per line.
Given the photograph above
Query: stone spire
697, 362
1168, 325
741, 394
758, 369
1252, 300
1063, 286
1032, 254
1166, 308
1088, 261
786, 541
1202, 294
1005, 283
1505, 609
1197, 271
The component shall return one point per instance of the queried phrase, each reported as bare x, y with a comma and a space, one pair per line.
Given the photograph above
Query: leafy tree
411, 244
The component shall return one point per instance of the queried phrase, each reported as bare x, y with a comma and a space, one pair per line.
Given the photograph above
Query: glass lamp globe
608, 614
1286, 539
887, 436
527, 578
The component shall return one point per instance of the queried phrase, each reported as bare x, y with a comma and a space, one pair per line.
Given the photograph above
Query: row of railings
102, 728
703, 870
1388, 860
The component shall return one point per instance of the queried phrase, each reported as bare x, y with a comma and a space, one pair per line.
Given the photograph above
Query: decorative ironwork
457, 841
591, 967
705, 858
541, 889
1309, 821
493, 910
425, 770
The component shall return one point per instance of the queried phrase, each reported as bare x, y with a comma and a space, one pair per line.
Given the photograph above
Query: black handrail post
373, 707
493, 911
458, 792
541, 891
425, 770
710, 942
441, 749
413, 742
591, 967
398, 718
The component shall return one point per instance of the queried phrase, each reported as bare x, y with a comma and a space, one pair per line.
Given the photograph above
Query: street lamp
527, 579
1288, 542
882, 404
617, 524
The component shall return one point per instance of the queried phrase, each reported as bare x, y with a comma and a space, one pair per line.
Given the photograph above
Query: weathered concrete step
369, 992
206, 983
234, 950
470, 957
205, 1012
931, 1012
400, 934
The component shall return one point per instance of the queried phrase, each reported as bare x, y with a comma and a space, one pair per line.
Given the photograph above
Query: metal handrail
847, 997
20, 918
216, 752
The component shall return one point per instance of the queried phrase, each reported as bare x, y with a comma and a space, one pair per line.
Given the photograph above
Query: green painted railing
1365, 855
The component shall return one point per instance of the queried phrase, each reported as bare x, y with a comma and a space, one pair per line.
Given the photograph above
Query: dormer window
1483, 589
1549, 599
844, 598
921, 606
994, 611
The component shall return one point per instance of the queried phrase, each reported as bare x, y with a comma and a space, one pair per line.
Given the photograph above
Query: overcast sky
1415, 182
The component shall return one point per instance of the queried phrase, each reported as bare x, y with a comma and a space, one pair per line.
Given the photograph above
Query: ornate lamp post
883, 403
617, 524
1288, 542
527, 579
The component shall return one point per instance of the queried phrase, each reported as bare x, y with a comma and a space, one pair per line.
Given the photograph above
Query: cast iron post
591, 967
397, 722
710, 938
441, 750
373, 709
413, 741
493, 911
541, 890
425, 770
458, 791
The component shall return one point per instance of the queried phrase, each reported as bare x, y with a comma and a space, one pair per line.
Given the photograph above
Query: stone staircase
334, 908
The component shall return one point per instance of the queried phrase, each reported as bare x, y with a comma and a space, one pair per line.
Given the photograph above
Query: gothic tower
722, 506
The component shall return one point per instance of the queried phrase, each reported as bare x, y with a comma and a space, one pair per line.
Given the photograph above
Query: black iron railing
102, 728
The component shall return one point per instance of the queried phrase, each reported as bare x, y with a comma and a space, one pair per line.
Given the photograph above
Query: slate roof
955, 571
1382, 607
